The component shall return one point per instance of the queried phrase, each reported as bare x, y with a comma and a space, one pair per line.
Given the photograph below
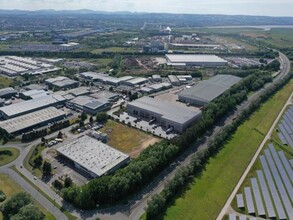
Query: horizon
272, 8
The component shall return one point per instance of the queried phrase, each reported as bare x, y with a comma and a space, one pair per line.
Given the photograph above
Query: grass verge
208, 193
8, 155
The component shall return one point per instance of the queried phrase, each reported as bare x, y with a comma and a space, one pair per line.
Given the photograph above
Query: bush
2, 196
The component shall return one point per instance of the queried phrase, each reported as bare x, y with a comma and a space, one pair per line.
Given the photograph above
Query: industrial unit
166, 114
206, 91
174, 80
90, 105
195, 60
25, 123
104, 78
93, 157
14, 66
7, 93
32, 94
61, 82
135, 82
29, 106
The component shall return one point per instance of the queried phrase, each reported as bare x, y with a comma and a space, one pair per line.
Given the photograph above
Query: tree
91, 120
60, 135
81, 124
83, 116
38, 161
29, 212
57, 184
15, 203
67, 182
101, 117
47, 169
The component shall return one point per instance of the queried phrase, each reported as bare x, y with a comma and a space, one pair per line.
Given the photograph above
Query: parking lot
145, 126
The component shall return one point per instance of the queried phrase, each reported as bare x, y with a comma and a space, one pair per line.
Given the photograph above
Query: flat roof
96, 104
170, 111
79, 91
95, 156
194, 58
35, 93
6, 91
137, 80
210, 89
26, 121
25, 106
61, 81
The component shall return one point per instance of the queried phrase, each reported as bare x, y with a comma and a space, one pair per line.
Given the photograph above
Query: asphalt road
135, 207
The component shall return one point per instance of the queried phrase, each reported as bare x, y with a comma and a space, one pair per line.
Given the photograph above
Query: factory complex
207, 90
25, 123
93, 157
195, 60
15, 66
166, 114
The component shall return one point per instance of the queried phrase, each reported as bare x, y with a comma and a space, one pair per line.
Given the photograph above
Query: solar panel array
271, 192
286, 128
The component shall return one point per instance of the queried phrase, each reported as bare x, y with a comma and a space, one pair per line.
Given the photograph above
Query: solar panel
286, 165
266, 195
288, 121
282, 172
272, 187
240, 203
286, 126
282, 138
257, 197
286, 135
291, 162
232, 216
289, 116
279, 184
249, 201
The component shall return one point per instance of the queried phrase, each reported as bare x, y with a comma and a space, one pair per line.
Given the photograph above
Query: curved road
135, 207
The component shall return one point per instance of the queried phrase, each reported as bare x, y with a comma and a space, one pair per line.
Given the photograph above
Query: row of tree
160, 202
142, 170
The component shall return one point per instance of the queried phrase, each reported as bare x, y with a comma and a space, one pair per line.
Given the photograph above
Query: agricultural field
127, 139
9, 187
207, 194
8, 155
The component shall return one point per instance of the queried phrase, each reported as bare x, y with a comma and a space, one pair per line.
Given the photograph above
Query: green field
208, 193
8, 155
127, 139
9, 187
5, 82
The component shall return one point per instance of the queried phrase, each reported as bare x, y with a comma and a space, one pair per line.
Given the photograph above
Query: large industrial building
207, 90
29, 106
195, 60
89, 104
164, 113
14, 66
25, 123
104, 78
61, 82
7, 93
93, 157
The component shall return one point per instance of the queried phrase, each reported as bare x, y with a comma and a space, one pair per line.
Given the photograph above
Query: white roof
23, 107
194, 58
93, 155
31, 119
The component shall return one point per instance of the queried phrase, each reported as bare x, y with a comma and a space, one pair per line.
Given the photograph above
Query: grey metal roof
136, 80
26, 106
96, 104
210, 89
170, 111
93, 155
7, 91
25, 121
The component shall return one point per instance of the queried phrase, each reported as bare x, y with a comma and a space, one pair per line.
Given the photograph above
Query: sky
230, 7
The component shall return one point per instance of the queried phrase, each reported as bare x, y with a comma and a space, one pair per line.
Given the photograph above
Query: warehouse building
104, 78
29, 106
14, 66
195, 60
32, 94
106, 95
207, 90
135, 82
93, 157
89, 105
174, 80
26, 123
7, 93
61, 82
166, 114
